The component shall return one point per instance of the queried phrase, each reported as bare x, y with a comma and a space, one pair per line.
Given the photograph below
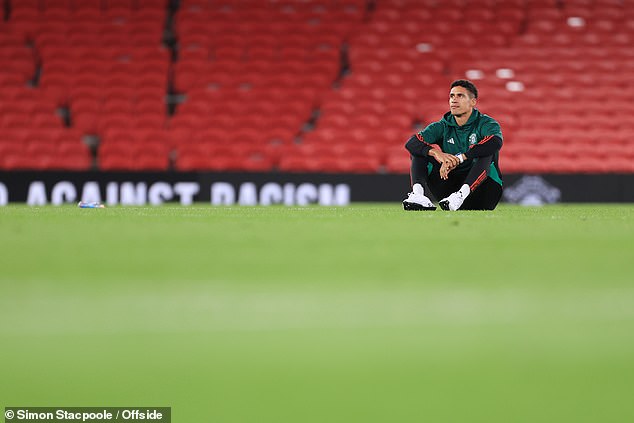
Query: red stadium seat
303, 164
151, 4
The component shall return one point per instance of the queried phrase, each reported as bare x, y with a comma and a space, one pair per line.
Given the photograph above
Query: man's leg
486, 197
418, 170
478, 173
416, 200
440, 188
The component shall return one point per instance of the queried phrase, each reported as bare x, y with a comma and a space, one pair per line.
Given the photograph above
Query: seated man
457, 157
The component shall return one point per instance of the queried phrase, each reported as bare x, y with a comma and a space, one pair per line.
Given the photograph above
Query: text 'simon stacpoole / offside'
87, 414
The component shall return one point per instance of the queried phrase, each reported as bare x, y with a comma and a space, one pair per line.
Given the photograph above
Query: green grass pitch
359, 314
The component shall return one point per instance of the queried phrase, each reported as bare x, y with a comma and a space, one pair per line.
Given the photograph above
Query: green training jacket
456, 139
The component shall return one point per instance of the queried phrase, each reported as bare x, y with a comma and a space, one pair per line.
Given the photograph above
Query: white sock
465, 190
418, 189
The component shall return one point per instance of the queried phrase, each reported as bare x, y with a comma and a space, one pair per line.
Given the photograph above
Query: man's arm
422, 142
488, 146
443, 158
417, 146
425, 143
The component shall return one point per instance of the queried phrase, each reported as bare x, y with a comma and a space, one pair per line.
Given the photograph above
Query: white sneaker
416, 200
455, 200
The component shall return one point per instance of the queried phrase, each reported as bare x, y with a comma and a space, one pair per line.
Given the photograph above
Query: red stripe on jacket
421, 139
482, 141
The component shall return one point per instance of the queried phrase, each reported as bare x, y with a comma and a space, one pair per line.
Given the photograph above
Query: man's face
461, 101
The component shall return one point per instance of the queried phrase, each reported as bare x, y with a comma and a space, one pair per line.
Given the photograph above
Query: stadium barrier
290, 189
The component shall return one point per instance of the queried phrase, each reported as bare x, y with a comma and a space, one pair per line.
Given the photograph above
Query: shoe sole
444, 205
416, 207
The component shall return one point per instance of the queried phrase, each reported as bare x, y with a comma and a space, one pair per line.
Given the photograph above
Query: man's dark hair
465, 84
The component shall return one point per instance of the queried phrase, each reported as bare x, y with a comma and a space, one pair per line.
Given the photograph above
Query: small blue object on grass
90, 205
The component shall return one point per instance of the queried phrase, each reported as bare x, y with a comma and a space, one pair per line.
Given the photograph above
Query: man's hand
447, 162
445, 168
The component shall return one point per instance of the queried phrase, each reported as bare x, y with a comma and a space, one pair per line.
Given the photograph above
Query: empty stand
316, 85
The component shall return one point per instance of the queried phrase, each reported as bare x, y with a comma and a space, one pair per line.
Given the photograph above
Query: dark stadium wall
290, 189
